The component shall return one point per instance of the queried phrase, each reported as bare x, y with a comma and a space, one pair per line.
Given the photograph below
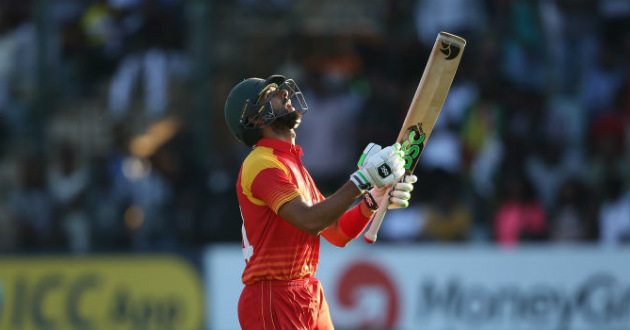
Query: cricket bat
424, 110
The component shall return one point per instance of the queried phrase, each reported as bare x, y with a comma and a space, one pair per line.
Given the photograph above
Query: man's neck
287, 135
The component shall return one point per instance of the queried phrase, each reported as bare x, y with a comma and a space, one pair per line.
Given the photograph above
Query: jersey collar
280, 145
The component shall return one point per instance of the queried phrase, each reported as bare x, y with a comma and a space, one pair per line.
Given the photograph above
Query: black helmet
245, 117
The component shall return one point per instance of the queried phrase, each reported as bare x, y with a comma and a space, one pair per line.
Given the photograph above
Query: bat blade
424, 110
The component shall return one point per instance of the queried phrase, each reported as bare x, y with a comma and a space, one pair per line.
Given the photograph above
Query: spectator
68, 181
448, 218
147, 27
443, 152
600, 85
523, 55
8, 228
520, 216
334, 109
101, 40
456, 16
607, 144
32, 207
573, 218
106, 203
17, 65
548, 169
481, 126
150, 194
575, 40
404, 226
614, 213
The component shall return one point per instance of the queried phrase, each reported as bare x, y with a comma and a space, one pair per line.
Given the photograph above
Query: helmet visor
273, 102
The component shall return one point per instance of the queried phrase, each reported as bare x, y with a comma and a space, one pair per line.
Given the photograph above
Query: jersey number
248, 249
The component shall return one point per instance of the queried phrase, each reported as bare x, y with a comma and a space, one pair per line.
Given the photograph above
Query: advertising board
106, 292
459, 287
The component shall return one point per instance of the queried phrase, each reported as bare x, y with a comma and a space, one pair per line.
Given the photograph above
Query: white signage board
428, 287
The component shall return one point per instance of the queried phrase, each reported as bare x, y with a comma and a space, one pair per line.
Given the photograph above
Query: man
284, 213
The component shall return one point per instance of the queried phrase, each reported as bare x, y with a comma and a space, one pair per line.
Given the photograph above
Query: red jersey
271, 175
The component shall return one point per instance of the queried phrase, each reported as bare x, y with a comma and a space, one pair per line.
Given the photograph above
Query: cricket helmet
245, 116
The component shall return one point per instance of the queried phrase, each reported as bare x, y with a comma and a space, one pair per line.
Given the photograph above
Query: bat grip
377, 220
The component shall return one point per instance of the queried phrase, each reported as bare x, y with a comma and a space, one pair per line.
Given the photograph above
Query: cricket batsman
284, 214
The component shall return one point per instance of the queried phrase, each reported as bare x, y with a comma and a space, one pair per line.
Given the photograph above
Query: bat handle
377, 220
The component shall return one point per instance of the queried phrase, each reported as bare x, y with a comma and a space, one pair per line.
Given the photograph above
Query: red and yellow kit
272, 175
278, 255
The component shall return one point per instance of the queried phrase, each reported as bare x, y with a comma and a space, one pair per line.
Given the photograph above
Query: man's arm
316, 218
353, 222
378, 168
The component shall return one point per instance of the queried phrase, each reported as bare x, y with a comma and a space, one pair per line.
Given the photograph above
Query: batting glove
399, 195
378, 167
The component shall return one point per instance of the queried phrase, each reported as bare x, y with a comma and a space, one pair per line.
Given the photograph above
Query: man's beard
288, 121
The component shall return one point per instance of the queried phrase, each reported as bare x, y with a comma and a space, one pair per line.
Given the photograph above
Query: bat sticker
412, 145
449, 50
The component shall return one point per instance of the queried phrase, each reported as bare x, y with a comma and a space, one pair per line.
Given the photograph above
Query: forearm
326, 213
316, 218
349, 226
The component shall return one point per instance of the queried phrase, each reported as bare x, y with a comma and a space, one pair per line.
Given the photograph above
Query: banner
458, 287
108, 293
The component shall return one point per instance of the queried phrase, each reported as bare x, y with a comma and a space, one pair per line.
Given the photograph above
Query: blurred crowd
532, 145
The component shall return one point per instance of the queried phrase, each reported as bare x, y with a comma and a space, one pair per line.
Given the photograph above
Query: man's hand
399, 195
379, 167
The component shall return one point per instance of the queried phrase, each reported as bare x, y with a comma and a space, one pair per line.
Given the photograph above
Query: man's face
281, 105
279, 100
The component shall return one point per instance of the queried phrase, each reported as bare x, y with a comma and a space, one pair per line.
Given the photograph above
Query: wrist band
369, 200
353, 222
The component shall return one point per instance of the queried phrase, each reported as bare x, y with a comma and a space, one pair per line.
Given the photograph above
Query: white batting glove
399, 195
378, 168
